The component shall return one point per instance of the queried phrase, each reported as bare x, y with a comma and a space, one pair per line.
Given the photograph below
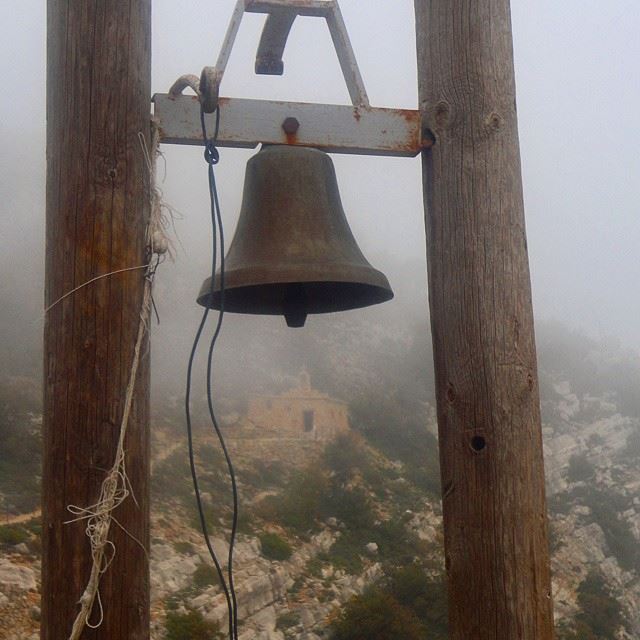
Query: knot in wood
442, 114
493, 122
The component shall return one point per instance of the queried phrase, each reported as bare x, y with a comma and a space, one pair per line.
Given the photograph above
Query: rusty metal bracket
334, 128
281, 16
358, 128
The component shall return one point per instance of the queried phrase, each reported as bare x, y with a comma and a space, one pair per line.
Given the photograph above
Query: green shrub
204, 576
391, 426
245, 521
425, 476
298, 508
398, 432
297, 585
264, 473
351, 506
345, 552
191, 626
600, 612
632, 451
35, 526
376, 615
396, 544
561, 503
20, 446
274, 547
314, 567
580, 469
377, 478
574, 631
287, 620
346, 455
211, 456
183, 547
426, 596
13, 534
596, 440
211, 516
606, 508
172, 478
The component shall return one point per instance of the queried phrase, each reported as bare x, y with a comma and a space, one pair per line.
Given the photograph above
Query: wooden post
98, 92
495, 517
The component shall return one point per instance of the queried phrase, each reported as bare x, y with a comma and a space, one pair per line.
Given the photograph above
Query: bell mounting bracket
281, 16
355, 128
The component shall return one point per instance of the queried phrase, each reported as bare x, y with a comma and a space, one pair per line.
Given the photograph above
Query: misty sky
578, 81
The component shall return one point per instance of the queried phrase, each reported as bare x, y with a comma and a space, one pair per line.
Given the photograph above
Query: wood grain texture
481, 316
98, 88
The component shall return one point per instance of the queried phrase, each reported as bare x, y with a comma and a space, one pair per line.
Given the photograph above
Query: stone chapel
300, 412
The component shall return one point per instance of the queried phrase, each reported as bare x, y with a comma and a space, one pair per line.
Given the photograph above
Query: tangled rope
116, 487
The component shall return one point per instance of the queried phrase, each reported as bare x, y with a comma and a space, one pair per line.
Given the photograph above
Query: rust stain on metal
410, 115
337, 128
290, 127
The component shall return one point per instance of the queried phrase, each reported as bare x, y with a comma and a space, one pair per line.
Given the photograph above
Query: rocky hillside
318, 525
594, 501
332, 537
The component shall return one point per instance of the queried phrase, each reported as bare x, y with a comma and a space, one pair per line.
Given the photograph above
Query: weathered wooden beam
98, 87
495, 519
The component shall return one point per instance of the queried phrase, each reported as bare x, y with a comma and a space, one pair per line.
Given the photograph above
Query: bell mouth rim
320, 296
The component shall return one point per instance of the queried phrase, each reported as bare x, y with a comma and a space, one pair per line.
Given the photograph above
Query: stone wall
248, 443
313, 418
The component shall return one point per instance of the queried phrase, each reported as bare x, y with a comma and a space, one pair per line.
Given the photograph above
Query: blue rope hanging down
212, 157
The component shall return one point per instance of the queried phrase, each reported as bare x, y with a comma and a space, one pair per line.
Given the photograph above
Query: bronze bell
293, 252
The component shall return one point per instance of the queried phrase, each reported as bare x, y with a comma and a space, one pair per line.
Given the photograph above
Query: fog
578, 84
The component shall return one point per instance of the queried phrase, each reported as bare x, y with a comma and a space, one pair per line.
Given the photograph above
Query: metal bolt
428, 138
290, 126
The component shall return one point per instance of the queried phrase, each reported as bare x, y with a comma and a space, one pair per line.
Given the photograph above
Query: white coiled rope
116, 487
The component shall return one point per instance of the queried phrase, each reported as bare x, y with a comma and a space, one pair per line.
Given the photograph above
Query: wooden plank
98, 87
495, 518
333, 128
